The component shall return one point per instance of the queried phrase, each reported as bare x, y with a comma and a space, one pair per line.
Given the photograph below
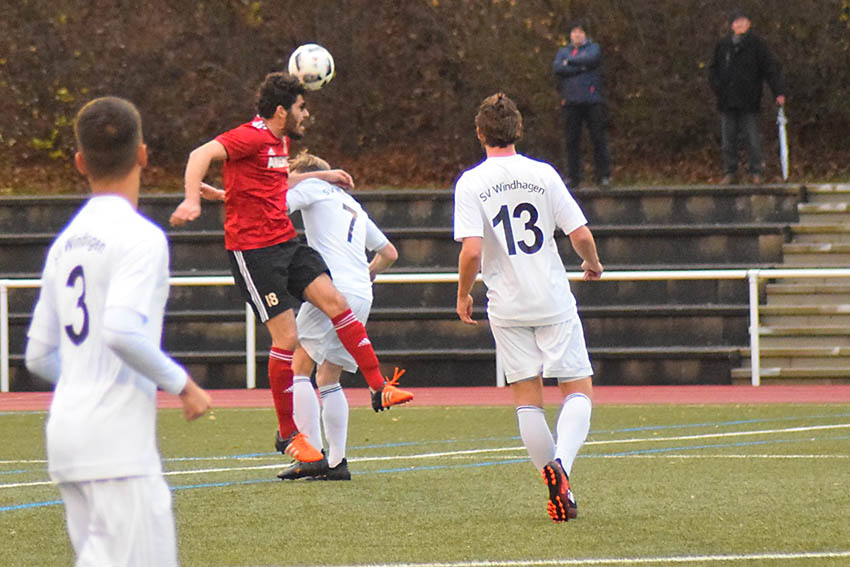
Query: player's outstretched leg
309, 461
389, 394
561, 506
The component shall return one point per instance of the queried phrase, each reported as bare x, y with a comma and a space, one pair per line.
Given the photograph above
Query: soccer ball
313, 65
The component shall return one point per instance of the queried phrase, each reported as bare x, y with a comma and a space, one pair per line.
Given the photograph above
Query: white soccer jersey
103, 415
515, 204
340, 230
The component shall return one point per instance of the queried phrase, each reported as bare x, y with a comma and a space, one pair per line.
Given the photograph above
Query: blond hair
305, 162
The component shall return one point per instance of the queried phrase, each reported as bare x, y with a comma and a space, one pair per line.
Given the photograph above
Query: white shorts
558, 351
317, 335
122, 521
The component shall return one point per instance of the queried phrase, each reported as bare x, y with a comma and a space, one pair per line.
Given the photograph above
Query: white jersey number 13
530, 226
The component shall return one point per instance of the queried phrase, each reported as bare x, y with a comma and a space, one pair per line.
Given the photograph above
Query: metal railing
753, 276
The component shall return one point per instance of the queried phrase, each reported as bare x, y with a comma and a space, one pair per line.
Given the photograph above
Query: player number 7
353, 220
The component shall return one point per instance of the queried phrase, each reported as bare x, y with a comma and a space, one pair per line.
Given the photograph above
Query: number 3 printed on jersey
520, 211
78, 337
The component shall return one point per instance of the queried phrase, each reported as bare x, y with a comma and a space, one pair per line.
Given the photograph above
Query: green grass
453, 485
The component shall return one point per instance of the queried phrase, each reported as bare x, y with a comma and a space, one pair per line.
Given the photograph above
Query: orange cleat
390, 394
297, 447
561, 506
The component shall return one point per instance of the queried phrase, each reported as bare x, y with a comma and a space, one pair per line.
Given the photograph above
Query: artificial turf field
719, 484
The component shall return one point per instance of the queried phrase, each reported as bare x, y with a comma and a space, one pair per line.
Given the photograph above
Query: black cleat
339, 472
315, 470
308, 461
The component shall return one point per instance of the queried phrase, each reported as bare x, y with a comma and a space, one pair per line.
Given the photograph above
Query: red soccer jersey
256, 175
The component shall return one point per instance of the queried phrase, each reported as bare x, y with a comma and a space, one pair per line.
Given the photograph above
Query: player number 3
78, 337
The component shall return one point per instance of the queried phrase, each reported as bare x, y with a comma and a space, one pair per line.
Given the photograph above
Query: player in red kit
275, 271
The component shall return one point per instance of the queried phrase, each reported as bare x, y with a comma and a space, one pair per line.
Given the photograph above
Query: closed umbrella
783, 142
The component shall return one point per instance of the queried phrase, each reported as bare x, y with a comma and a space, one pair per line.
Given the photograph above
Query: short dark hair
277, 89
737, 14
108, 131
499, 121
578, 23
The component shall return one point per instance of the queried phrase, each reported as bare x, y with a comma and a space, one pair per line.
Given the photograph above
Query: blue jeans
733, 123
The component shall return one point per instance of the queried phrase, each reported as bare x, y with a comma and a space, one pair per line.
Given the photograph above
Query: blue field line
463, 466
692, 448
19, 471
30, 505
467, 465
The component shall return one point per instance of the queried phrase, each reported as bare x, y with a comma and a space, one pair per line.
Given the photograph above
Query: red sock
352, 335
280, 382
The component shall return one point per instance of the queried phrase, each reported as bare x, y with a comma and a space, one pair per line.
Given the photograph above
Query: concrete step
822, 255
804, 357
433, 207
805, 315
825, 233
826, 336
808, 293
692, 204
461, 367
824, 213
427, 328
434, 246
827, 193
794, 376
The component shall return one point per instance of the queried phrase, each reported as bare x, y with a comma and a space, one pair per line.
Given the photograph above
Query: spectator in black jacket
741, 63
578, 70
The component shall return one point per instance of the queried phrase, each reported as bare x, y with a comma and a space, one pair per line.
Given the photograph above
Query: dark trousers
574, 117
733, 124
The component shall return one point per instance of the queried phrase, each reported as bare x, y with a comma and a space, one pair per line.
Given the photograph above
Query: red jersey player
275, 271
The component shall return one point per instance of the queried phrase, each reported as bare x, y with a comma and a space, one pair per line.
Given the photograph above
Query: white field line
674, 559
490, 450
727, 434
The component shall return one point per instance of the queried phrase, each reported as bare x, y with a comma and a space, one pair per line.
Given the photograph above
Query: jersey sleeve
375, 238
467, 216
568, 215
44, 326
137, 271
240, 142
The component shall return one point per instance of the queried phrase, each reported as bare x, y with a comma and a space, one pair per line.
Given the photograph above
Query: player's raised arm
338, 177
196, 169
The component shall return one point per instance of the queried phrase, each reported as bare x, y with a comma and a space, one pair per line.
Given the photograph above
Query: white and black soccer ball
313, 65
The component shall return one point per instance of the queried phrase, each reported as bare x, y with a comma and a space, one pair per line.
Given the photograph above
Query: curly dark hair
277, 89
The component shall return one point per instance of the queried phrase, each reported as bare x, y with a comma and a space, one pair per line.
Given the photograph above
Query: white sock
535, 435
305, 410
335, 420
572, 427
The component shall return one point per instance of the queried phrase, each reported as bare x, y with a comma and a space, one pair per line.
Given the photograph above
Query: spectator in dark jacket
578, 70
741, 63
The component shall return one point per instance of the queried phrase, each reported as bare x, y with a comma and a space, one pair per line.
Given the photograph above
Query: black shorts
272, 279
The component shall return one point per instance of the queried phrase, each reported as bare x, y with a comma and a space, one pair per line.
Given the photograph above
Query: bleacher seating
638, 332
